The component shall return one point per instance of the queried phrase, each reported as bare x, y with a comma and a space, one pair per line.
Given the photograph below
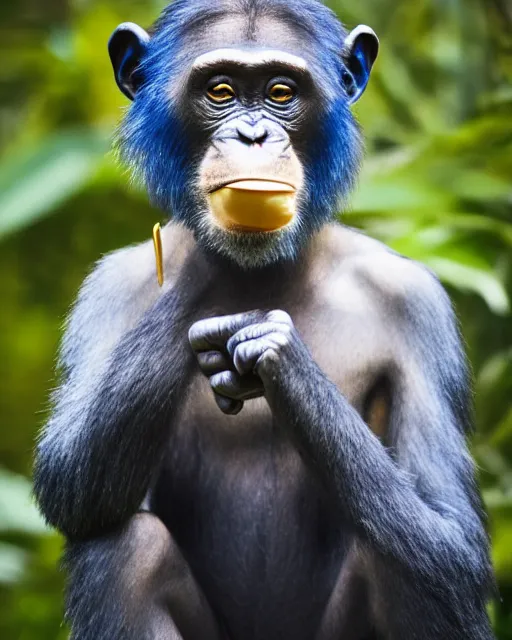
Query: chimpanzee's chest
261, 533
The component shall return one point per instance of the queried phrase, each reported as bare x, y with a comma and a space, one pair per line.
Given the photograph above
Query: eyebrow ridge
249, 59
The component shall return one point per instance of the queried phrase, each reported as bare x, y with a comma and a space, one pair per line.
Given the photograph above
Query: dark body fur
340, 503
279, 548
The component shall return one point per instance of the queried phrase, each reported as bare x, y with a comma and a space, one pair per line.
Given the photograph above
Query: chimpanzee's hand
240, 353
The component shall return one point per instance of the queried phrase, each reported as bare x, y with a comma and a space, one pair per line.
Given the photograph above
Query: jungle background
436, 186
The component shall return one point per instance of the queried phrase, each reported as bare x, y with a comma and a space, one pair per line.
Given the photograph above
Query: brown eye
222, 92
281, 93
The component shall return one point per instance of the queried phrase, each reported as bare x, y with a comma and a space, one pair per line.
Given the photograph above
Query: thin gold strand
157, 241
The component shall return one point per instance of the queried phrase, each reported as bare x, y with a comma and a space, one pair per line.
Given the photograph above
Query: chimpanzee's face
245, 133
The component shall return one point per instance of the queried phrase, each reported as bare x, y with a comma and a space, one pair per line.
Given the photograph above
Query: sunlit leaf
42, 179
477, 185
12, 563
396, 195
17, 510
468, 278
502, 558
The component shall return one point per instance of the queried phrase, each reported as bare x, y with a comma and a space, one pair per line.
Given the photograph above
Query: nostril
252, 134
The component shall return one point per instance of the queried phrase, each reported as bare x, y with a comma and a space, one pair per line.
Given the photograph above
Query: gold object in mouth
157, 241
254, 205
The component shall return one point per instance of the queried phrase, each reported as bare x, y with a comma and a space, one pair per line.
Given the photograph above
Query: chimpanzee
323, 490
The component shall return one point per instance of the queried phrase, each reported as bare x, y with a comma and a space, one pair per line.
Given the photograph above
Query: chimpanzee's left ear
359, 53
126, 47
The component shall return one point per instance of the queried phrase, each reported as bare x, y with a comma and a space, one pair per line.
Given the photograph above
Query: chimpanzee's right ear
360, 50
126, 47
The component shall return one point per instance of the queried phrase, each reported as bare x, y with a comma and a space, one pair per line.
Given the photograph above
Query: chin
251, 250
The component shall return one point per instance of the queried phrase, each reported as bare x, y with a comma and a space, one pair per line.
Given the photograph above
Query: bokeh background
436, 186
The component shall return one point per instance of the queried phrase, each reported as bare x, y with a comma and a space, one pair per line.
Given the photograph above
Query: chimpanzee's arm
415, 505
125, 362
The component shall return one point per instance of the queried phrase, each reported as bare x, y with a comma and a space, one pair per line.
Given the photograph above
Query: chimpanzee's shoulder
119, 290
393, 279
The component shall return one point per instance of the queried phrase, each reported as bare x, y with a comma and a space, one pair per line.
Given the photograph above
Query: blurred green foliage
436, 186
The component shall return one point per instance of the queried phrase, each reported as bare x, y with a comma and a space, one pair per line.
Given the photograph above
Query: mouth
257, 184
254, 205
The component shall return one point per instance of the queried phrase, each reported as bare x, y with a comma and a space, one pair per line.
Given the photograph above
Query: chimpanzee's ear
359, 53
126, 47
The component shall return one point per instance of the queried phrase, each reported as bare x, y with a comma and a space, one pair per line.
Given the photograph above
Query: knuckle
210, 360
240, 353
245, 352
234, 342
268, 358
281, 317
240, 337
193, 333
280, 339
221, 380
241, 358
199, 331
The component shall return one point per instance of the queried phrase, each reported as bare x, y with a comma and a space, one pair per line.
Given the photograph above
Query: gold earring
157, 241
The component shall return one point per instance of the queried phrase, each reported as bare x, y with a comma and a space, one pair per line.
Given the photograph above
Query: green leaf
470, 278
38, 182
502, 558
478, 185
17, 510
12, 563
398, 194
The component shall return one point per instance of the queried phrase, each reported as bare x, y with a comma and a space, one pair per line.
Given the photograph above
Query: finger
229, 384
215, 332
211, 362
247, 354
255, 331
228, 406
281, 317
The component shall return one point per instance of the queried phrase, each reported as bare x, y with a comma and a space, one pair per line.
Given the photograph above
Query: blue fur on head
333, 161
157, 142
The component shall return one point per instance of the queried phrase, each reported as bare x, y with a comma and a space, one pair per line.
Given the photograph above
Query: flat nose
252, 133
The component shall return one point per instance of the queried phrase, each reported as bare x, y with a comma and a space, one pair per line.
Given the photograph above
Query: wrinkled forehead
251, 40
236, 31
183, 43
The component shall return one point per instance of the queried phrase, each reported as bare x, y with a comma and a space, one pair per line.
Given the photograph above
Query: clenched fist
240, 353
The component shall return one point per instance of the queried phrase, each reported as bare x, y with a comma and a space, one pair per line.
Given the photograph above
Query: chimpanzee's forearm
378, 496
105, 438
